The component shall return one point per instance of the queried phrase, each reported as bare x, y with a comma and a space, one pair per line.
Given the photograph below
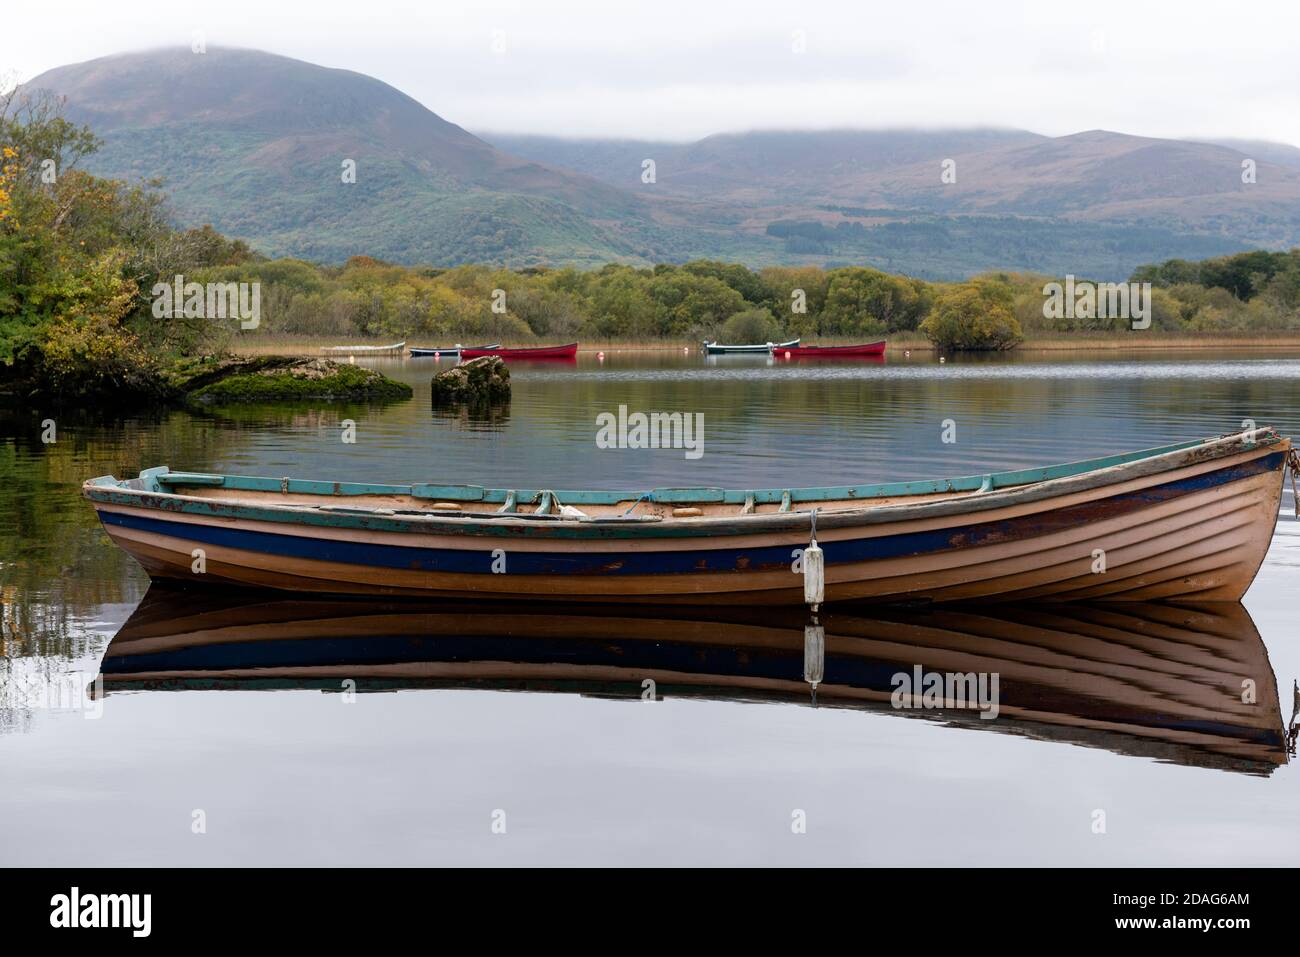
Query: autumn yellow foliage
8, 173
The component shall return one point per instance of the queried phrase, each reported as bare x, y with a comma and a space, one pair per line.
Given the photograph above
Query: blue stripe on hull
610, 561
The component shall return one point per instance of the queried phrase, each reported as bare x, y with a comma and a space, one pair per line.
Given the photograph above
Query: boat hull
396, 349
1197, 532
832, 352
450, 352
542, 352
714, 349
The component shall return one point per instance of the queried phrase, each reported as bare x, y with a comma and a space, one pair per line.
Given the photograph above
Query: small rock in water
486, 379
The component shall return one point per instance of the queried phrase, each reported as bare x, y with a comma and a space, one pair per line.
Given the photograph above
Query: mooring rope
1293, 466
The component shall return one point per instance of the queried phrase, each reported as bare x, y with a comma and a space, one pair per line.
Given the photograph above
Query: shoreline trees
79, 255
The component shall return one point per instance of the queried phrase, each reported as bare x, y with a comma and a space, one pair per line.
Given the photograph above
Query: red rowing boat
830, 352
538, 352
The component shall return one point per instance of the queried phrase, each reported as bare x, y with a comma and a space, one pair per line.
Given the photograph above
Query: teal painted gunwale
154, 479
109, 489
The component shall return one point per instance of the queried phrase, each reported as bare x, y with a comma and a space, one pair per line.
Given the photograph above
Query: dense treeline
1258, 290
81, 257
1248, 292
696, 300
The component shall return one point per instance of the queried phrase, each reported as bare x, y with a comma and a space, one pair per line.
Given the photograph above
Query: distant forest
1244, 293
80, 256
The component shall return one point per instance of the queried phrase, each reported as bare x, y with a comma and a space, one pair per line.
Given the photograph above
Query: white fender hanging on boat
814, 570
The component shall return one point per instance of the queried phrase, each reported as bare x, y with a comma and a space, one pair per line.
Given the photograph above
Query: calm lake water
280, 765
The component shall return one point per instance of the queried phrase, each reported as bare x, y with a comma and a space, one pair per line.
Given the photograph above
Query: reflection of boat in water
1161, 681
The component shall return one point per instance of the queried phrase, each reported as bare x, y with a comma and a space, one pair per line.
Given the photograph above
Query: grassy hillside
254, 144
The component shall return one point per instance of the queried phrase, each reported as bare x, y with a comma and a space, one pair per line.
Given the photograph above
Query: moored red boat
537, 352
830, 352
1184, 522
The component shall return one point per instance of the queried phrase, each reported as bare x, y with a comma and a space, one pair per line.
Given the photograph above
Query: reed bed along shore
255, 345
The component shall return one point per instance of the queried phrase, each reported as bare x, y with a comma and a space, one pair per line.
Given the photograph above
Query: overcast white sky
664, 69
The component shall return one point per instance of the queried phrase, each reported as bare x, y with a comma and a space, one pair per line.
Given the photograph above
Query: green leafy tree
750, 326
975, 315
796, 295
687, 304
737, 276
861, 301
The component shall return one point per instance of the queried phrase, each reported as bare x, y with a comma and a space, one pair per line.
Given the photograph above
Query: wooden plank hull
1196, 531
1157, 680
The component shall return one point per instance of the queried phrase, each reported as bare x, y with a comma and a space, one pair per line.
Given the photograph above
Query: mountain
616, 162
255, 144
1096, 176
1088, 203
1103, 176
767, 165
1280, 154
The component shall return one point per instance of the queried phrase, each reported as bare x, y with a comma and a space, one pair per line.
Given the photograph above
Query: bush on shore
976, 315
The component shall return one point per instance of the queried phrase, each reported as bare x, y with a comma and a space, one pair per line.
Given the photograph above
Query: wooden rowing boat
714, 348
831, 352
395, 349
1161, 681
535, 352
1190, 521
436, 353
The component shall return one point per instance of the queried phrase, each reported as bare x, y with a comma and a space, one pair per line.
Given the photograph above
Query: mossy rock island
284, 378
482, 380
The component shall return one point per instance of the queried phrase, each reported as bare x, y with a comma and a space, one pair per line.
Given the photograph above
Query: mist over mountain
256, 143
